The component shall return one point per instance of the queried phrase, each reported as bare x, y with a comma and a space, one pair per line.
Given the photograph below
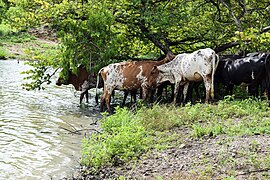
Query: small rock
182, 146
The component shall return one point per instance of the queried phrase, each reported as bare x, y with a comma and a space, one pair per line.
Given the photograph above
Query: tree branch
183, 41
153, 38
237, 21
254, 171
265, 29
223, 47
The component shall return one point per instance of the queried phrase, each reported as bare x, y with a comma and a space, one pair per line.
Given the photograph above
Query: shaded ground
245, 157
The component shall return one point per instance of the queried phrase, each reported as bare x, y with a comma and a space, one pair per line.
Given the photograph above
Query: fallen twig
254, 171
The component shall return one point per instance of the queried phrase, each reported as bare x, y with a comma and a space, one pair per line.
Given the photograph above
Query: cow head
75, 79
160, 75
61, 80
154, 79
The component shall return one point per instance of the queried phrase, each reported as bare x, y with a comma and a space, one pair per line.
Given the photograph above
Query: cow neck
168, 58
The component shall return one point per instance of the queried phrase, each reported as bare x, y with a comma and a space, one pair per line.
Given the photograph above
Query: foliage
96, 33
42, 57
4, 30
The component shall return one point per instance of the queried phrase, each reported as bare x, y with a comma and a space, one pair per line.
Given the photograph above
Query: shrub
122, 138
3, 53
4, 30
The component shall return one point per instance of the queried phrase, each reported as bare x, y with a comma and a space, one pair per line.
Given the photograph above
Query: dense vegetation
96, 33
127, 135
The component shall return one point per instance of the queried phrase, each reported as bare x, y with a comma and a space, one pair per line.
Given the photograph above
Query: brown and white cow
129, 76
197, 66
80, 81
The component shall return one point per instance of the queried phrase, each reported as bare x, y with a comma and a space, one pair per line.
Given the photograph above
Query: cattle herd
183, 72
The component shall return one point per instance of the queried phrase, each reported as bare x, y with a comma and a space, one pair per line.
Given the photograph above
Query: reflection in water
33, 141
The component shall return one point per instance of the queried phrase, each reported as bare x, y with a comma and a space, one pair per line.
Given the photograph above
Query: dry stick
254, 171
77, 131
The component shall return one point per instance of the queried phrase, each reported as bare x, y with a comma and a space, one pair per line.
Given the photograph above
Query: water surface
34, 140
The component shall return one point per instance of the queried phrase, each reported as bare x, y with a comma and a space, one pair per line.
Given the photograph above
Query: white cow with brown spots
197, 66
129, 76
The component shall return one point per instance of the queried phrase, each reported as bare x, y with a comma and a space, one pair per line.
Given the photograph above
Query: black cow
249, 71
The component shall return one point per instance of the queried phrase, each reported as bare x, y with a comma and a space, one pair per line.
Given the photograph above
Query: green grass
126, 135
10, 36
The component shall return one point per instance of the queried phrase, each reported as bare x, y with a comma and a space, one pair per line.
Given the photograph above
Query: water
34, 140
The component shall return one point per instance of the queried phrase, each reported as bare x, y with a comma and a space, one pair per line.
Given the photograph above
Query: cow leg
151, 94
268, 93
176, 90
102, 102
85, 88
87, 97
106, 97
141, 93
185, 91
107, 100
190, 91
208, 91
144, 91
81, 97
230, 89
125, 98
112, 95
172, 89
133, 96
159, 92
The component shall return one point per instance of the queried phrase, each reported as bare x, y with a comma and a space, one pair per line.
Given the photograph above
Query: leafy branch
38, 77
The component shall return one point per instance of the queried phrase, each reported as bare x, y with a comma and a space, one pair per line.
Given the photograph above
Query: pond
35, 137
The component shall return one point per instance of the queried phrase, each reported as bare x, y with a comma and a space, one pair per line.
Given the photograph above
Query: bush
122, 138
4, 30
3, 53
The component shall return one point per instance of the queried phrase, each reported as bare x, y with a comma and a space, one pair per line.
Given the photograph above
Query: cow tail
214, 65
96, 98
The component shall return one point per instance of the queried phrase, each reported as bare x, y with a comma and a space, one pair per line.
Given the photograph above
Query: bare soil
221, 157
43, 35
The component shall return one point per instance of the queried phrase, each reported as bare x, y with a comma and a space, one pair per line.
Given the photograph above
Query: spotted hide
129, 76
197, 66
